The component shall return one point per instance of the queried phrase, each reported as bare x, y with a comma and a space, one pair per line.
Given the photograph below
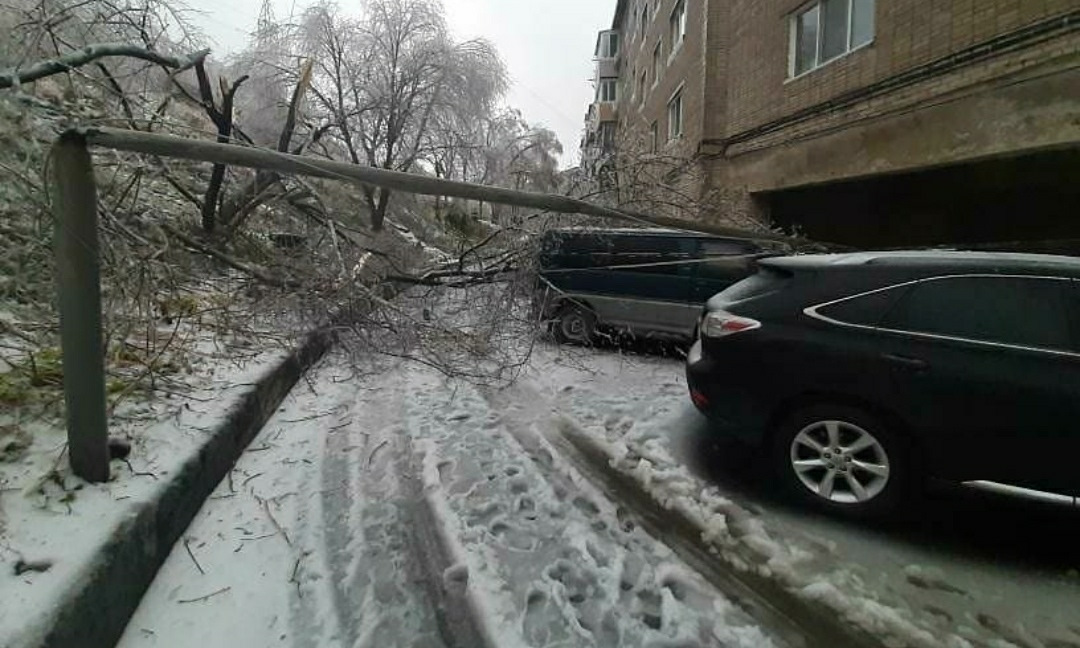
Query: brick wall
684, 68
908, 33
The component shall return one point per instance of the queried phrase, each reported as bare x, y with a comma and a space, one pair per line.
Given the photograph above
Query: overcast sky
547, 47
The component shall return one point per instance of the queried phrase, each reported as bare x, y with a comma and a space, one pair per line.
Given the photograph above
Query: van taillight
718, 324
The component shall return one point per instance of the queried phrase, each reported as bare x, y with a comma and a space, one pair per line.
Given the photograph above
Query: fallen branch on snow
203, 598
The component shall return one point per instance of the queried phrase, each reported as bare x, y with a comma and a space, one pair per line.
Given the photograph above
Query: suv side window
1007, 310
865, 310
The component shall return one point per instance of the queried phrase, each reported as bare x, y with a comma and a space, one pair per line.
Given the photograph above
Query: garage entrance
1030, 200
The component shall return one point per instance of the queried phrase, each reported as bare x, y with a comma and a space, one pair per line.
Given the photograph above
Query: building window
642, 84
827, 30
675, 116
677, 25
654, 137
657, 61
644, 26
606, 91
609, 45
607, 135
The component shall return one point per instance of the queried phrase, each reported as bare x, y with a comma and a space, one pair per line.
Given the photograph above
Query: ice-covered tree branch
91, 53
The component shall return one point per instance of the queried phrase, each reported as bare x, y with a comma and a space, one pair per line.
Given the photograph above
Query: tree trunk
223, 119
252, 194
377, 201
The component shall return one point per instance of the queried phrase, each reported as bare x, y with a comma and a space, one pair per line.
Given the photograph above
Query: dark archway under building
1029, 199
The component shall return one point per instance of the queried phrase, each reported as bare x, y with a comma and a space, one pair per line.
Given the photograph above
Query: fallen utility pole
78, 258
256, 158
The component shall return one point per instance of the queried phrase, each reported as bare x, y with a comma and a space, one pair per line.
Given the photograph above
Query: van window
664, 255
721, 248
1007, 310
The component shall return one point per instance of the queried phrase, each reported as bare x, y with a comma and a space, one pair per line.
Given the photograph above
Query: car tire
843, 460
575, 324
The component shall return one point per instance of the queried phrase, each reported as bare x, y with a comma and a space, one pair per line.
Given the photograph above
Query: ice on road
402, 512
404, 508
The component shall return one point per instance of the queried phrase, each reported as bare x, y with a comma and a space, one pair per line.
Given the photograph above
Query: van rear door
719, 264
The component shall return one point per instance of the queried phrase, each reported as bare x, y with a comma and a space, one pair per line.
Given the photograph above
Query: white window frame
676, 44
609, 50
677, 95
614, 83
793, 37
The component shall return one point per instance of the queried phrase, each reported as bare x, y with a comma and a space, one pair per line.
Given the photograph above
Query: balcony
606, 54
606, 112
607, 68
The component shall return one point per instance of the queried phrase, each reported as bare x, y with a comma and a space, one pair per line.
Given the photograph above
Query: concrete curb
98, 606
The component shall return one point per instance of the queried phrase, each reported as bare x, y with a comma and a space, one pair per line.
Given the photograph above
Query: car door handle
906, 361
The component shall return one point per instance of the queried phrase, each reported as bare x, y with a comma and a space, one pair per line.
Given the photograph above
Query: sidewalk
76, 558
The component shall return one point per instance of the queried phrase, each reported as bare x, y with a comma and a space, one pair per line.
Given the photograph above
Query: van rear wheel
575, 324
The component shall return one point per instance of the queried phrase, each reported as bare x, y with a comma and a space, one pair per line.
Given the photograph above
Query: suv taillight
718, 324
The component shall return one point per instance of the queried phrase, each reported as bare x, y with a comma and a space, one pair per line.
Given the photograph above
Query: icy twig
308, 418
138, 473
273, 520
294, 579
371, 457
192, 556
203, 598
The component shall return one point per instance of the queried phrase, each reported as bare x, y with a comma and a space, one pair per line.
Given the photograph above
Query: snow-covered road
584, 505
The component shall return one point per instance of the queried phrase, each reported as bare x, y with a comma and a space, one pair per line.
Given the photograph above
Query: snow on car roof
933, 258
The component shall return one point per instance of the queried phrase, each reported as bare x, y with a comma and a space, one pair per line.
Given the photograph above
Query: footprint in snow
445, 469
586, 506
519, 486
543, 624
527, 507
648, 608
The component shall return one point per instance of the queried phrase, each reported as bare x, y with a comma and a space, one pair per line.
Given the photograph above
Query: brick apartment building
868, 122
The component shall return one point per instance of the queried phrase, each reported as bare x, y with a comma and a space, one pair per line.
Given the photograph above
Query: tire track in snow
375, 528
535, 426
543, 558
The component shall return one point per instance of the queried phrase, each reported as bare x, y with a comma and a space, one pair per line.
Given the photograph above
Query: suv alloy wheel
840, 458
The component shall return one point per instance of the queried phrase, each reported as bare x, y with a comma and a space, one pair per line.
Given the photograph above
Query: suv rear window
1007, 310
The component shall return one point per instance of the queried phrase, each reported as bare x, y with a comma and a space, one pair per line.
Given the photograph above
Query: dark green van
650, 282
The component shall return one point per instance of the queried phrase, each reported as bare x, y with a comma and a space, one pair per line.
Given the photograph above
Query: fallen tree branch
90, 53
256, 273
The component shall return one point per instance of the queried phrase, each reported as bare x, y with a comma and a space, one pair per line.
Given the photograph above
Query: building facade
867, 122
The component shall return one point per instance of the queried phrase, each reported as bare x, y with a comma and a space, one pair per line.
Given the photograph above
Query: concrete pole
79, 283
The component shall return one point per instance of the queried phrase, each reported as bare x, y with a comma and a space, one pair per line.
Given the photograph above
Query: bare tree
385, 78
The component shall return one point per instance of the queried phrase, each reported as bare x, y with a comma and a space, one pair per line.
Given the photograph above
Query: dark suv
865, 373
